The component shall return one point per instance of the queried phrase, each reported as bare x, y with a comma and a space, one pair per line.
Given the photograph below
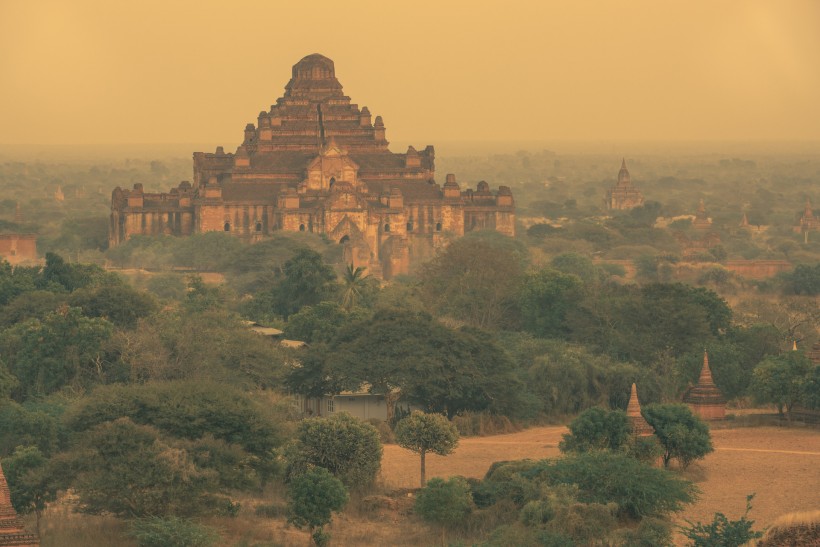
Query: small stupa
705, 399
12, 532
637, 423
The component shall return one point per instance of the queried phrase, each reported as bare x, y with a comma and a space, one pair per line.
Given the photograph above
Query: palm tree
353, 281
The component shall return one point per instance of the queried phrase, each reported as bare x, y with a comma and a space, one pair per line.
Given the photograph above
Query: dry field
782, 466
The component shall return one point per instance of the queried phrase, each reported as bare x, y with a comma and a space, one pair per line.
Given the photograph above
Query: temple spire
705, 372
637, 423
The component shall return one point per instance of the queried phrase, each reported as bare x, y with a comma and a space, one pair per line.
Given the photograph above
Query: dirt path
781, 466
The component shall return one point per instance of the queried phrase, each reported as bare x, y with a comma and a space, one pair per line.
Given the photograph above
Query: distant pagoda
12, 532
808, 222
623, 195
702, 220
705, 399
637, 423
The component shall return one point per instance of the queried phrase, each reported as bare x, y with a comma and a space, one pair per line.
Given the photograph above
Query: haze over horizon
91, 72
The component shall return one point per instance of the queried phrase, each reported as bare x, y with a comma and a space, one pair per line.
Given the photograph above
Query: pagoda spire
705, 372
12, 532
637, 423
807, 212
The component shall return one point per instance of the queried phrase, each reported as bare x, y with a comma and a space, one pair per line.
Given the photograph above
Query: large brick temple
315, 162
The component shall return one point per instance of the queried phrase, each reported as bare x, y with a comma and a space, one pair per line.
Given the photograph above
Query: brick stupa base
705, 399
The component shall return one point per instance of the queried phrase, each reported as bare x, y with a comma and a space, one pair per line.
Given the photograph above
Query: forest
129, 376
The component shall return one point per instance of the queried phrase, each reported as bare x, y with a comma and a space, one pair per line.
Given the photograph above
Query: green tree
683, 436
314, 496
596, 429
355, 286
545, 297
119, 303
722, 532
475, 279
444, 503
423, 433
64, 348
129, 470
780, 379
30, 483
346, 446
307, 281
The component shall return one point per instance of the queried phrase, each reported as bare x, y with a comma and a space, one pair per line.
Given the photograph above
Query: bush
682, 435
444, 503
172, 532
346, 446
722, 532
315, 495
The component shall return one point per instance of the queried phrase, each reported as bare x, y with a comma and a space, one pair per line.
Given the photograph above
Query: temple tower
623, 195
12, 532
702, 220
705, 399
637, 423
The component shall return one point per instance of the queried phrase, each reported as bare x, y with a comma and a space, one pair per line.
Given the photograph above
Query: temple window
386, 227
438, 226
409, 226
258, 226
345, 239
301, 227
227, 227
332, 181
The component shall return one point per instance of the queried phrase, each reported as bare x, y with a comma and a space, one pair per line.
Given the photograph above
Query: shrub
315, 495
596, 429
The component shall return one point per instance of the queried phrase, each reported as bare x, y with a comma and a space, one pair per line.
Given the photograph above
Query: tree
544, 299
722, 532
64, 348
475, 279
30, 483
129, 470
780, 379
314, 496
423, 433
683, 436
355, 285
121, 304
346, 446
444, 503
596, 429
307, 281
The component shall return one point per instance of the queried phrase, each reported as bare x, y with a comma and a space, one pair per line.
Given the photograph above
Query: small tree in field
314, 496
596, 429
683, 436
423, 433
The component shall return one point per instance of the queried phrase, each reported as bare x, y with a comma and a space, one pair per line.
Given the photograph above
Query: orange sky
146, 71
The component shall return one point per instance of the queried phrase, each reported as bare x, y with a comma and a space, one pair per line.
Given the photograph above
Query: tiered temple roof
623, 195
705, 399
12, 532
637, 423
808, 222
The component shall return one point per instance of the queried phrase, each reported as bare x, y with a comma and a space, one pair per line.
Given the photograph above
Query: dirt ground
781, 466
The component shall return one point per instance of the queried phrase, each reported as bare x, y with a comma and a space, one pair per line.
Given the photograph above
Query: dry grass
801, 528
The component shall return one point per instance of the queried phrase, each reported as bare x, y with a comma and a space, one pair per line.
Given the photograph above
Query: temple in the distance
315, 162
623, 195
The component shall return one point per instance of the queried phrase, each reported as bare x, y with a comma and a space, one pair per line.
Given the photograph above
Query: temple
638, 425
705, 399
623, 195
12, 532
315, 162
808, 222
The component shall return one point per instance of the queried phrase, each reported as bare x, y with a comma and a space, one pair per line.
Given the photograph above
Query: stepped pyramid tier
316, 162
623, 195
705, 399
12, 532
637, 423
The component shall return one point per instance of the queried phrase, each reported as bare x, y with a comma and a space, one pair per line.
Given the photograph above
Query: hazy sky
170, 71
